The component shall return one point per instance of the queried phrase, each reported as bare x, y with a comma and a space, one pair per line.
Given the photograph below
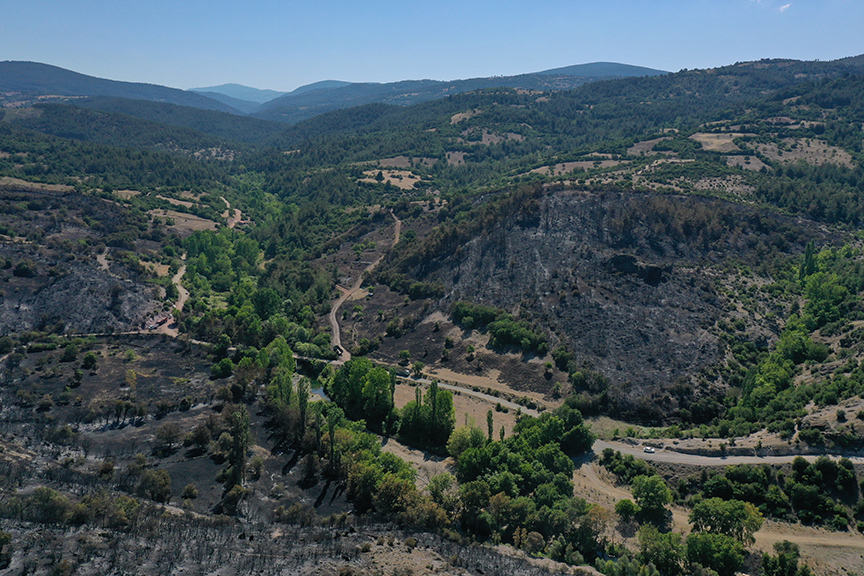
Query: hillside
630, 283
240, 92
384, 339
603, 70
24, 81
318, 98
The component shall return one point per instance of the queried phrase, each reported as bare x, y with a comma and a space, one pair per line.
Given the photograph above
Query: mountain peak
603, 69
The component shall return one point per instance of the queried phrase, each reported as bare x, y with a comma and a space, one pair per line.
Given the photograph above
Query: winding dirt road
182, 297
336, 337
232, 217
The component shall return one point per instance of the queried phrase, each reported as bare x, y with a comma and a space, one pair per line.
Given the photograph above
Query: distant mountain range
31, 82
26, 81
249, 100
302, 104
240, 92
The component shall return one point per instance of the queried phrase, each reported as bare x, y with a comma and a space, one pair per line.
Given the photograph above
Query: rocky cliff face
628, 282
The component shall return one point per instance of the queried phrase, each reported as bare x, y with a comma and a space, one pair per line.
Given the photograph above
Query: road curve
336, 335
481, 395
672, 457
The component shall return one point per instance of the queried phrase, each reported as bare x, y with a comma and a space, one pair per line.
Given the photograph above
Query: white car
648, 449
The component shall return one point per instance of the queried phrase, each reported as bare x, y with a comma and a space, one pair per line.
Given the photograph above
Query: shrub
223, 369
156, 485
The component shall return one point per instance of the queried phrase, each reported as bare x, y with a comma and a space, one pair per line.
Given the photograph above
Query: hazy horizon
288, 45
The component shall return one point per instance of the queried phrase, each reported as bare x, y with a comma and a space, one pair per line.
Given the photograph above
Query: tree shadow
337, 492
323, 494
289, 465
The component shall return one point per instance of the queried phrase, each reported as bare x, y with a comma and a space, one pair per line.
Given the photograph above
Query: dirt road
336, 337
232, 217
182, 297
487, 397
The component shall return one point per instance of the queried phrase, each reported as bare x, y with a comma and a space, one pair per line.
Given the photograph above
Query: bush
190, 492
156, 485
811, 436
24, 269
90, 360
70, 353
223, 369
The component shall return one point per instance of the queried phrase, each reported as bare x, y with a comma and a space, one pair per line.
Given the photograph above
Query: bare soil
646, 147
745, 162
455, 158
456, 118
402, 179
568, 167
809, 150
714, 142
185, 224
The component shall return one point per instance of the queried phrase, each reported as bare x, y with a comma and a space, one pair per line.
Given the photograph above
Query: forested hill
21, 80
293, 108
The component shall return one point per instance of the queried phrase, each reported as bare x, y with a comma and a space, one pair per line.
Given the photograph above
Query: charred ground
632, 283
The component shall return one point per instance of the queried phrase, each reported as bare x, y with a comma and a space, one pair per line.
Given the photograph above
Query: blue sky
285, 44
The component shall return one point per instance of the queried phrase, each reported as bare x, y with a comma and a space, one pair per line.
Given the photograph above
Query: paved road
336, 335
663, 455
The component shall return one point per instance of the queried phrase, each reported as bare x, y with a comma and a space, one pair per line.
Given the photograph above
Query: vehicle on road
648, 449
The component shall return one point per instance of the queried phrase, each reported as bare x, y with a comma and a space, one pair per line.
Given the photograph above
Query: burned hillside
631, 284
68, 262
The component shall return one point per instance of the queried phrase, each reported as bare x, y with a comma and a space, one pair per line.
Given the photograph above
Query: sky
282, 45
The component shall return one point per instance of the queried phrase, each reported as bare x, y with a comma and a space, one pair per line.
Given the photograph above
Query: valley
500, 298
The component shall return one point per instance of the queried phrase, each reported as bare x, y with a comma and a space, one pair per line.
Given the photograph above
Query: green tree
346, 387
440, 490
719, 552
302, 404
786, 561
90, 360
626, 509
156, 485
826, 298
665, 551
651, 495
190, 492
377, 401
463, 438
334, 417
280, 390
417, 369
222, 369
241, 437
70, 353
247, 372
734, 518
5, 550
490, 425
808, 266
